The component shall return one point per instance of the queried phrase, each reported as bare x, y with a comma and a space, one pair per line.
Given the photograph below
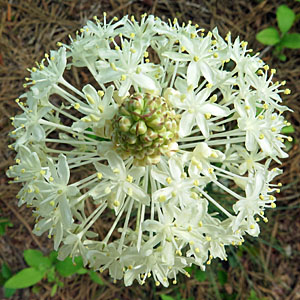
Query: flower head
164, 123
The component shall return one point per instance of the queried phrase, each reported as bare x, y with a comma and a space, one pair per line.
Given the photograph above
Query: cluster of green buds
145, 127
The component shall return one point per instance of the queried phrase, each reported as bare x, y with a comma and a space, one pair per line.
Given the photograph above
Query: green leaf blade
66, 267
291, 41
25, 278
34, 258
285, 18
268, 36
95, 277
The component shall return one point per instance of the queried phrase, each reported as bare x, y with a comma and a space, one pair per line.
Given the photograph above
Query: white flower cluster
173, 139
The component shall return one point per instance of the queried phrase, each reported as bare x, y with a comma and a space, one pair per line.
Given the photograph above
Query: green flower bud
144, 128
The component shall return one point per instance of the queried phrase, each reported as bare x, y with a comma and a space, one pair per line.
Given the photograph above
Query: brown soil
30, 28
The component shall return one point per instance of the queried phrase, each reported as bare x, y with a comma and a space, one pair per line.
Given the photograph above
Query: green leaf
200, 275
9, 292
53, 256
4, 222
66, 267
288, 129
6, 272
51, 274
53, 290
35, 258
268, 36
285, 18
291, 41
282, 57
166, 297
95, 277
222, 277
25, 278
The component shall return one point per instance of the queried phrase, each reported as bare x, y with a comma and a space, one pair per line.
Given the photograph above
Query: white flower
163, 130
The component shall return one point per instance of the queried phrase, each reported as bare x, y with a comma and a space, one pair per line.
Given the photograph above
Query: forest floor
267, 267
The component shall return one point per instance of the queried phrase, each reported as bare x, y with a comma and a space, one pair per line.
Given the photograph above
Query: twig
22, 220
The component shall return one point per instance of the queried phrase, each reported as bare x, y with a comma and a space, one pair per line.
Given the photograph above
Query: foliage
43, 268
281, 39
4, 223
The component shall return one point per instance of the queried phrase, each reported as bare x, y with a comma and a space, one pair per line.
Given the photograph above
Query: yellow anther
213, 98
196, 58
200, 224
147, 60
266, 67
182, 49
273, 71
52, 203
207, 116
279, 184
261, 197
247, 107
157, 283
209, 85
52, 58
104, 14
261, 136
189, 229
252, 226
18, 161
116, 170
273, 129
116, 203
244, 44
260, 72
117, 48
175, 21
214, 155
123, 77
146, 54
76, 105
178, 252
51, 179
90, 99
100, 93
197, 250
129, 178
210, 170
271, 197
33, 69
208, 238
287, 91
214, 42
193, 35
174, 194
196, 182
101, 108
232, 243
162, 198
46, 55
273, 205
283, 82
132, 50
265, 106
289, 138
113, 66
115, 18
132, 35
215, 55
265, 220
183, 175
208, 262
42, 172
194, 196
169, 180
81, 30
227, 36
99, 175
